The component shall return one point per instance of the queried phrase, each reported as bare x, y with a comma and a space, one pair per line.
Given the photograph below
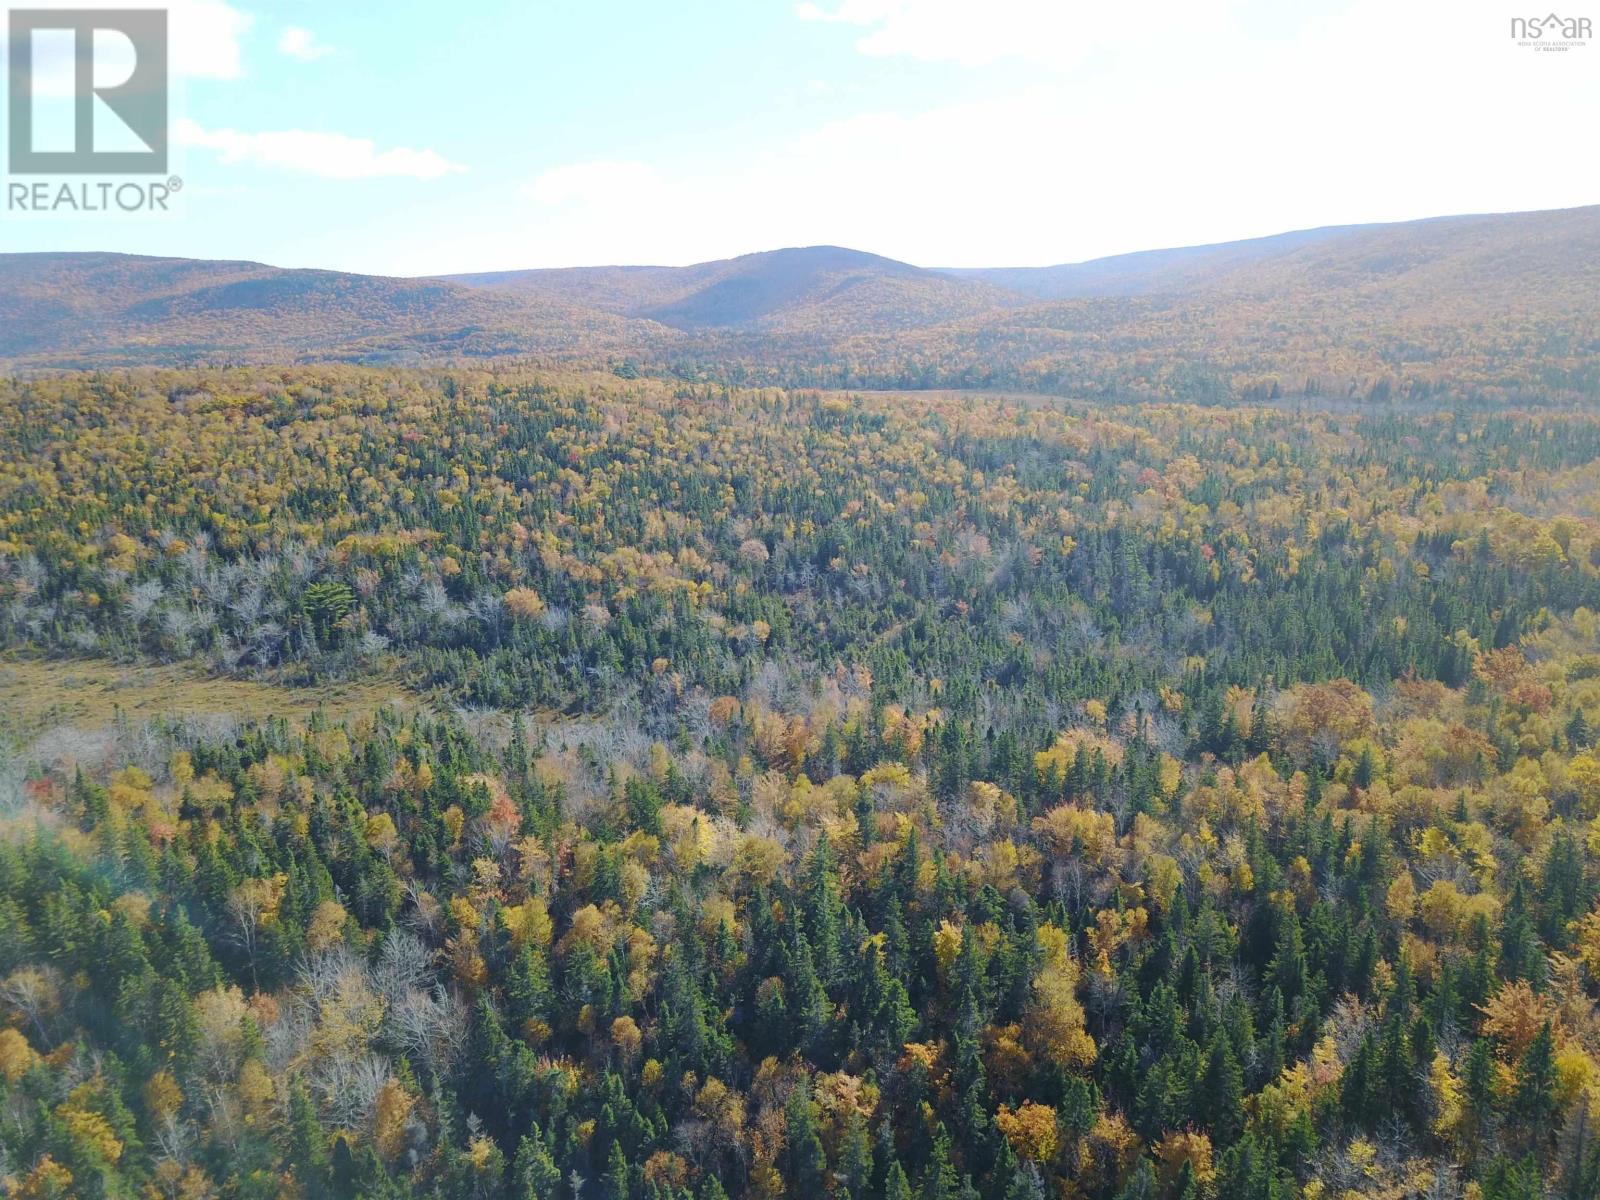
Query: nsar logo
1552, 32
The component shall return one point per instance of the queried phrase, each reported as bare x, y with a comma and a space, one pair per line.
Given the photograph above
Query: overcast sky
411, 138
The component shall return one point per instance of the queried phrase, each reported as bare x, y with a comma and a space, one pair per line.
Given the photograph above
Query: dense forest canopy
799, 794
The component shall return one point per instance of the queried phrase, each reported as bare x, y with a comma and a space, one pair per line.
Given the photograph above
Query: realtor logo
118, 119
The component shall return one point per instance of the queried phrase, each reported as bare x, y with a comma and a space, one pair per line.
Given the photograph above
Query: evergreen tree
855, 1159
1533, 1100
896, 1187
617, 1183
1219, 1101
1520, 955
805, 1164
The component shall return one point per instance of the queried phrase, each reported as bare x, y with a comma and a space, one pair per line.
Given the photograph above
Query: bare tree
34, 993
250, 905
431, 1026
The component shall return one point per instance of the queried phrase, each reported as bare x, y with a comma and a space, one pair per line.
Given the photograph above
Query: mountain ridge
54, 305
1486, 307
751, 290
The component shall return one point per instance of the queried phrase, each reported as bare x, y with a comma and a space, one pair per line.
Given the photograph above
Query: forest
1494, 311
793, 793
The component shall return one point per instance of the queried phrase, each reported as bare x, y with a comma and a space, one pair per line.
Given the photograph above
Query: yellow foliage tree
162, 1096
1185, 1146
1055, 1025
1031, 1130
391, 1111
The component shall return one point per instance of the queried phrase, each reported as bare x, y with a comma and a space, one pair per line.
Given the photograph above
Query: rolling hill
1486, 308
1144, 272
815, 287
70, 310
1502, 251
1490, 307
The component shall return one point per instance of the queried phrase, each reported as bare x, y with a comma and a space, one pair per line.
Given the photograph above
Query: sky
405, 138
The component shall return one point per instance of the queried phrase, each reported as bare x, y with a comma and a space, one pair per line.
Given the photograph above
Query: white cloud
1198, 138
1053, 32
302, 44
612, 184
204, 38
328, 155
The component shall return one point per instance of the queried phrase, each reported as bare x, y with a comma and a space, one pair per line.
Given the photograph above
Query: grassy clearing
93, 694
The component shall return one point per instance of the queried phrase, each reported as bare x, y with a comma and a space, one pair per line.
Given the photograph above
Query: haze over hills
1479, 307
1490, 258
829, 285
68, 310
1489, 307
1147, 271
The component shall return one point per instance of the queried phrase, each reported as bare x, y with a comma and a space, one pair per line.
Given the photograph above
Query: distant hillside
1180, 269
1429, 260
93, 309
1492, 309
818, 289
1480, 307
1497, 308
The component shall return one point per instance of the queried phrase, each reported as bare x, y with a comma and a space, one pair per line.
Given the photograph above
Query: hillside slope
1505, 251
91, 309
1179, 268
814, 288
1490, 309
